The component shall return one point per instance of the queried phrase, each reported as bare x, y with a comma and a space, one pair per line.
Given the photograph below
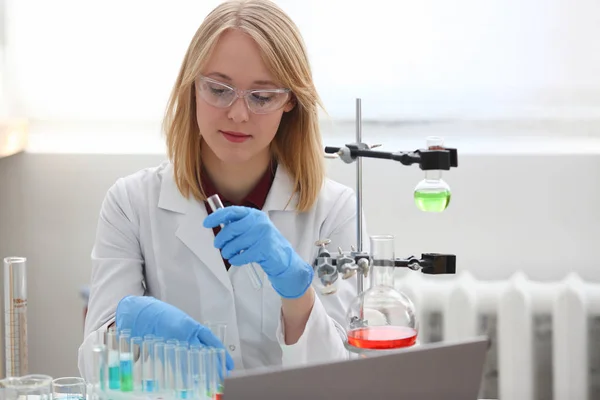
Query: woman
242, 122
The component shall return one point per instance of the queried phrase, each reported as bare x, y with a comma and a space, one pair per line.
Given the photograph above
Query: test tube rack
152, 368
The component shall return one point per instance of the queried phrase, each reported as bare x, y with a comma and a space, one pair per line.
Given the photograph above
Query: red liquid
218, 396
382, 337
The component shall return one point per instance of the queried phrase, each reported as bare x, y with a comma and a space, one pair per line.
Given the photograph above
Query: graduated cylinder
15, 316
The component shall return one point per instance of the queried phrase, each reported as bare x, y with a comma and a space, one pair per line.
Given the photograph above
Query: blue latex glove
250, 236
146, 315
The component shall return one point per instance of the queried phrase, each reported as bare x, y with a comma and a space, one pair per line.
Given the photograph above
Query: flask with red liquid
381, 318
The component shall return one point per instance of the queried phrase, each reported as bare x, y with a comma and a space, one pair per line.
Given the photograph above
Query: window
427, 59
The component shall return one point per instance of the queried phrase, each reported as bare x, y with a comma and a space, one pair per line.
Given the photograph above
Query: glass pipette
215, 204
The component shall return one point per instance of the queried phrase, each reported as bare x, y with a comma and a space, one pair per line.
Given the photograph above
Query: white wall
531, 212
420, 59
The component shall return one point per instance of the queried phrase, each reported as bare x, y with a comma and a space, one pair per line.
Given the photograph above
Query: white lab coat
150, 240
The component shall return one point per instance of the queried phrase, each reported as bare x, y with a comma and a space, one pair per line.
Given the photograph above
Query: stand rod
359, 222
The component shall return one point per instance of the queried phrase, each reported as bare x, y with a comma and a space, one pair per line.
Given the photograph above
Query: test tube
97, 385
183, 382
170, 367
99, 363
198, 371
148, 370
216, 373
159, 364
15, 316
112, 345
215, 204
137, 363
125, 362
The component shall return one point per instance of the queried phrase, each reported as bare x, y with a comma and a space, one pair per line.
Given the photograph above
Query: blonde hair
297, 145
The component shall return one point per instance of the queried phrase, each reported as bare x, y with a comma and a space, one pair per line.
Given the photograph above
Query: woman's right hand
145, 315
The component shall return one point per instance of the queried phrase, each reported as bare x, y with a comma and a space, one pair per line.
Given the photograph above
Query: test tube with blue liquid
215, 204
125, 361
183, 382
114, 375
147, 360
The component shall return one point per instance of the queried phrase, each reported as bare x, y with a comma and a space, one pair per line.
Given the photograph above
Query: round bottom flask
381, 319
432, 194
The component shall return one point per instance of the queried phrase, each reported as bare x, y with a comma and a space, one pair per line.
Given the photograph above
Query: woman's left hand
249, 236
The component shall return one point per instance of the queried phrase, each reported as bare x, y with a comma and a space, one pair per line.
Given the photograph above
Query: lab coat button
231, 347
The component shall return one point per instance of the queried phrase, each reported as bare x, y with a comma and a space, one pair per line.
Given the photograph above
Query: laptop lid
437, 371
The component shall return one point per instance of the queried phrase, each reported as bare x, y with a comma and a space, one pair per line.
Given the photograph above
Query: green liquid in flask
432, 201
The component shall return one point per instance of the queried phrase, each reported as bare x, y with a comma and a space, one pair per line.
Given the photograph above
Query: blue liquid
149, 386
184, 394
114, 377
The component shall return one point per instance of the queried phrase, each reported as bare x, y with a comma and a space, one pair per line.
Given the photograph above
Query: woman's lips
235, 137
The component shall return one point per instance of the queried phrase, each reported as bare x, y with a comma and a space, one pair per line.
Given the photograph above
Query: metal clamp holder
348, 263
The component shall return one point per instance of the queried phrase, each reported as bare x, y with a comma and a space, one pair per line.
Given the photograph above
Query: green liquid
126, 368
432, 201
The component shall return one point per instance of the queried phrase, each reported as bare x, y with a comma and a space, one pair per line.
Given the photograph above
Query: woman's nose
238, 112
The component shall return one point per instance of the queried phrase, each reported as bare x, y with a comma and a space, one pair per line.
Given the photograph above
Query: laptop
436, 371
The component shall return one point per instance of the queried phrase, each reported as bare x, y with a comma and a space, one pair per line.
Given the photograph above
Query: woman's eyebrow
227, 78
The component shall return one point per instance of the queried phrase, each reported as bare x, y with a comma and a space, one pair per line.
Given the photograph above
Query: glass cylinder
15, 316
381, 318
72, 388
433, 194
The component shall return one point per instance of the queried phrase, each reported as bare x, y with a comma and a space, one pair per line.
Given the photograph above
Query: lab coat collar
170, 198
281, 197
280, 201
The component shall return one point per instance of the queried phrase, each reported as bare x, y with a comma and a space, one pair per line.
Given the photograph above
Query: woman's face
228, 125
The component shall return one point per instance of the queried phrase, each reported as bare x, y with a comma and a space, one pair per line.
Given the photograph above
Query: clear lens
258, 101
216, 94
262, 102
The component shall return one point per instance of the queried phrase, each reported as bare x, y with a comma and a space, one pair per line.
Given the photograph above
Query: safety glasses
258, 101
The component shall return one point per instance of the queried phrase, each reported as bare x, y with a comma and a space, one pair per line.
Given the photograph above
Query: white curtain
115, 60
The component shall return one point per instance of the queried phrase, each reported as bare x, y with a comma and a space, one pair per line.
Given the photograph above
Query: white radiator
518, 315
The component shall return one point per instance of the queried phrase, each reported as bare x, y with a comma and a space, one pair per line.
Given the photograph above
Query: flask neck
382, 276
434, 174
